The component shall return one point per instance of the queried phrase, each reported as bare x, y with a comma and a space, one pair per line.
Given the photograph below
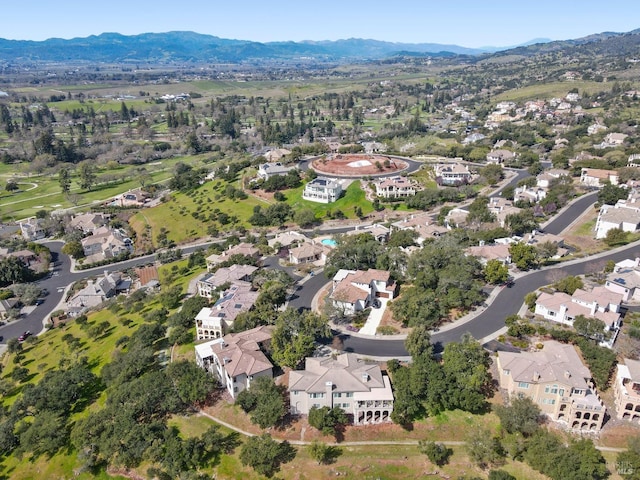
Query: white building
322, 190
356, 386
237, 359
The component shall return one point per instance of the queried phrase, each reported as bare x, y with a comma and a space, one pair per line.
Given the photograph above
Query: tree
74, 249
64, 179
402, 238
295, 335
11, 185
616, 236
323, 453
483, 448
569, 284
437, 453
327, 420
264, 401
589, 327
192, 383
500, 475
355, 252
265, 455
496, 272
86, 175
305, 217
13, 270
418, 342
521, 222
610, 194
628, 461
522, 416
492, 173
524, 256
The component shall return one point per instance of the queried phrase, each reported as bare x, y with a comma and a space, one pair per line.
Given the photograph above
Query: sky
468, 23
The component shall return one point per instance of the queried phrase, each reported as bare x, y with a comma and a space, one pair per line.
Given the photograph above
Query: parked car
24, 336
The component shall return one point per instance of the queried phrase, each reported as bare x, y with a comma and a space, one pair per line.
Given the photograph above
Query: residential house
395, 187
25, 256
500, 156
634, 160
425, 224
456, 218
322, 190
268, 170
245, 249
287, 239
622, 215
545, 179
374, 147
596, 128
215, 321
557, 380
133, 198
596, 177
106, 243
501, 208
33, 229
97, 291
276, 154
237, 358
452, 174
600, 303
356, 386
6, 306
529, 194
625, 280
88, 222
377, 231
309, 253
615, 139
626, 390
355, 290
485, 253
209, 282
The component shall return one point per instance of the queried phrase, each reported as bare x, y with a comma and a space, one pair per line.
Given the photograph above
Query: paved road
562, 221
508, 302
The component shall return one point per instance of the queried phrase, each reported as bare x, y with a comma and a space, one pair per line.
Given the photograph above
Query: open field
48, 196
549, 90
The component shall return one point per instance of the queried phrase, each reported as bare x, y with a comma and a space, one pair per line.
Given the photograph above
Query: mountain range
191, 47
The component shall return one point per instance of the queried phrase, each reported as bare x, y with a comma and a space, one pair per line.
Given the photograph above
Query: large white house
215, 321
322, 190
557, 381
273, 169
237, 359
356, 386
355, 290
623, 216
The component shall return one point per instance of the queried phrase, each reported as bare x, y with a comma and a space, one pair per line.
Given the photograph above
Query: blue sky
461, 22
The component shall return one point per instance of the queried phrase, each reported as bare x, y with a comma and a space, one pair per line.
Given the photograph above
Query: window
561, 392
345, 405
523, 385
295, 392
506, 372
337, 395
317, 405
349, 394
548, 401
551, 389
316, 395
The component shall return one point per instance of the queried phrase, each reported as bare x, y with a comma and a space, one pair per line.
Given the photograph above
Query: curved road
506, 303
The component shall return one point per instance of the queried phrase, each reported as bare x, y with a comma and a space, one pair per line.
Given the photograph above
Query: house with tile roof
625, 280
348, 382
242, 248
237, 358
273, 169
599, 303
625, 216
209, 282
395, 187
597, 177
355, 290
452, 174
557, 380
626, 390
309, 252
215, 321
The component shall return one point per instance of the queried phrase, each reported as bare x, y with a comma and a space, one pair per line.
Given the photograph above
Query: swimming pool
330, 242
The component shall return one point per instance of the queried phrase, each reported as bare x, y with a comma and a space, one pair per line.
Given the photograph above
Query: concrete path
375, 317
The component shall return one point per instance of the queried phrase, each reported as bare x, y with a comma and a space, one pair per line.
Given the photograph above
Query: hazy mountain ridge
191, 47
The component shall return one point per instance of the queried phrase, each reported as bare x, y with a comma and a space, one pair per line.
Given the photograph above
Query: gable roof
240, 353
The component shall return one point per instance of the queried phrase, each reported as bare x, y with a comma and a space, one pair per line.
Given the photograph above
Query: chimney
567, 374
365, 377
226, 360
329, 391
536, 376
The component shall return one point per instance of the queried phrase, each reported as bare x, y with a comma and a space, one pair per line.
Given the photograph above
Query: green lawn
547, 90
47, 195
353, 197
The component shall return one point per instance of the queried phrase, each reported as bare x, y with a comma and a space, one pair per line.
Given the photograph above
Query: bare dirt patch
358, 165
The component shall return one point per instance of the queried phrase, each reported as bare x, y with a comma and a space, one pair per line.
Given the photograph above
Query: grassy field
353, 197
548, 90
38, 192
